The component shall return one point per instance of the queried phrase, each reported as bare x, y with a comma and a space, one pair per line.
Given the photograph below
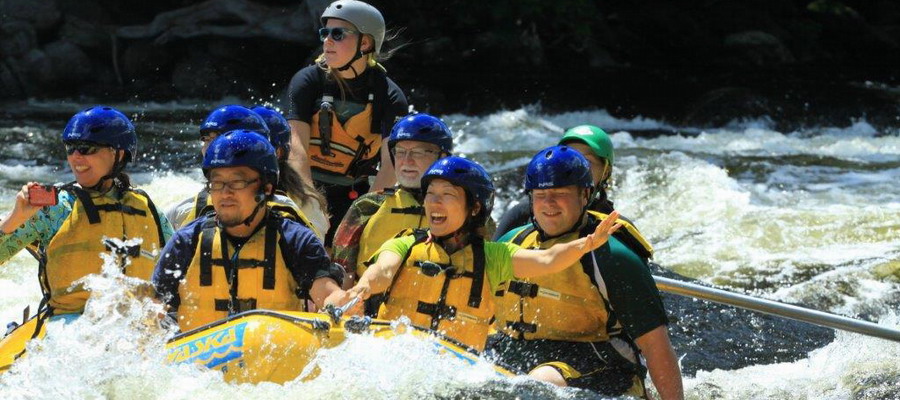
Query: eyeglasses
416, 154
233, 185
337, 34
83, 148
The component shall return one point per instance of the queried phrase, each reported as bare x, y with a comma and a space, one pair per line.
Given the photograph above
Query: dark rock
16, 38
142, 59
10, 87
86, 10
201, 75
36, 71
70, 63
721, 106
84, 33
43, 14
758, 48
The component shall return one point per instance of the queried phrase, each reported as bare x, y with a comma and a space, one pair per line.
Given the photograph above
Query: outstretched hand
604, 229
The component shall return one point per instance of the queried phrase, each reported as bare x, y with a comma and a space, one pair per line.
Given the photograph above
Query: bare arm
662, 363
376, 279
385, 177
321, 289
299, 157
530, 263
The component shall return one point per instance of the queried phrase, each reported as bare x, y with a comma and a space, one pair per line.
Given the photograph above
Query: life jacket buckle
524, 289
133, 251
522, 327
439, 311
432, 269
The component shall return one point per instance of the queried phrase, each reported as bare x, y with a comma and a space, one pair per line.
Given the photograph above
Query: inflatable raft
260, 345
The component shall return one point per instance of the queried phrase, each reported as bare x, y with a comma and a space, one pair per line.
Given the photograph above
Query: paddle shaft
775, 308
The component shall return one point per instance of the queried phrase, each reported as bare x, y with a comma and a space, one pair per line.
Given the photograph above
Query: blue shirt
305, 258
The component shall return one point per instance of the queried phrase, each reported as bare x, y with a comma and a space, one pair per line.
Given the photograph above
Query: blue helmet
422, 128
279, 130
229, 118
102, 125
558, 166
467, 174
242, 148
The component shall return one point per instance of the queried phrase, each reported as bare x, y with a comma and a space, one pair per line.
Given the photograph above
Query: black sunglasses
82, 148
337, 34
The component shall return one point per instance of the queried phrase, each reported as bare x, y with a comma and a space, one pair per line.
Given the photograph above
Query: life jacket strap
239, 306
521, 327
523, 289
437, 311
411, 210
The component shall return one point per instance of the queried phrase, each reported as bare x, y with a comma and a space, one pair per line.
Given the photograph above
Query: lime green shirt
497, 257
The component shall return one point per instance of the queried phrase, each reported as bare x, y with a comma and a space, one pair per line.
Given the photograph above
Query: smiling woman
66, 235
445, 278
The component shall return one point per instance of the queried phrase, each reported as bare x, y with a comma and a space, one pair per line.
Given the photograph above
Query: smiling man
593, 324
416, 142
245, 255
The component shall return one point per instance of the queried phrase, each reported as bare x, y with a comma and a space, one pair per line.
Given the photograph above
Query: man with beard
246, 255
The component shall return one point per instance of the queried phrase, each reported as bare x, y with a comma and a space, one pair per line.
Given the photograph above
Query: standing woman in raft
342, 108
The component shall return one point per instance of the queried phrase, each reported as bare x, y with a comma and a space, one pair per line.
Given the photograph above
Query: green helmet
592, 136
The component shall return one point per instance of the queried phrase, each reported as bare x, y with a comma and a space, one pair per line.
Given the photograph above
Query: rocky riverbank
697, 63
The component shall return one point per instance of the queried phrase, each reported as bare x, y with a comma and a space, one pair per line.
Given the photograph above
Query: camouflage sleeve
349, 232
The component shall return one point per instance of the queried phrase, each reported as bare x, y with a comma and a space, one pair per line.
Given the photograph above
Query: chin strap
359, 54
118, 166
260, 198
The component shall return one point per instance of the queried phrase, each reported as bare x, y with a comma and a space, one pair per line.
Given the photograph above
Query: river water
810, 217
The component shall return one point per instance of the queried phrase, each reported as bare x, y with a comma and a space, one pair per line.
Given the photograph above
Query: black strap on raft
201, 203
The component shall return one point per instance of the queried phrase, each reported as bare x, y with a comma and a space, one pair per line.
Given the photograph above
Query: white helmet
363, 16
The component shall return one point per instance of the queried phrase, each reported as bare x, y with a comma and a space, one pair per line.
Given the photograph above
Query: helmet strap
359, 54
261, 198
117, 167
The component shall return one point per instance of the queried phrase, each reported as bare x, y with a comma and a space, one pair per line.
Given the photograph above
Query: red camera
40, 196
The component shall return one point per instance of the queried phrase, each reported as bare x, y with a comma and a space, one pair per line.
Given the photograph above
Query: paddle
776, 308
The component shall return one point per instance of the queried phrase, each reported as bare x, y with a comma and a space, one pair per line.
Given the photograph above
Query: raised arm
530, 263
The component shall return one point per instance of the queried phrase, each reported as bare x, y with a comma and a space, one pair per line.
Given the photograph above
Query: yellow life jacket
203, 206
349, 149
445, 293
630, 236
74, 251
219, 283
565, 306
399, 211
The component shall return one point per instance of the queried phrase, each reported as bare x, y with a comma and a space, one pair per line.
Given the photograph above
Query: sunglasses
337, 34
84, 149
